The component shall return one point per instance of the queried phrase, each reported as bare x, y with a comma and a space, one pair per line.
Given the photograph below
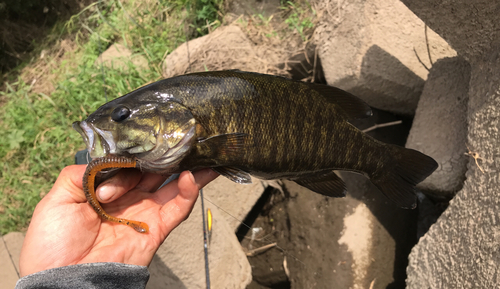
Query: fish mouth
99, 143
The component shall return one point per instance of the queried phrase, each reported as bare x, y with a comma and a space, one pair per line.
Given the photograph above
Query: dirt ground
24, 27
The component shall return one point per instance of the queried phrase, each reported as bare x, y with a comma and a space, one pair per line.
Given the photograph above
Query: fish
244, 123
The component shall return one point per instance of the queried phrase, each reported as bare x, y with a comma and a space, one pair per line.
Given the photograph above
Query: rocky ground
396, 63
391, 59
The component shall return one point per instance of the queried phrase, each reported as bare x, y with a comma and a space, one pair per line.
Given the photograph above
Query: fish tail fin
397, 180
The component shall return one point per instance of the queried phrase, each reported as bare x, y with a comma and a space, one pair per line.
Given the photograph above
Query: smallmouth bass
241, 123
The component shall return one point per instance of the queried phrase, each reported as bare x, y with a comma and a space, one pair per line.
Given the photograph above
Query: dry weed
39, 74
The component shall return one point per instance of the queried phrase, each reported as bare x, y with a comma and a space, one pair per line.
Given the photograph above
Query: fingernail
106, 192
191, 177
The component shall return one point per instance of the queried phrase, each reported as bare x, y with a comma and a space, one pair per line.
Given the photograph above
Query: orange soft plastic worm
93, 168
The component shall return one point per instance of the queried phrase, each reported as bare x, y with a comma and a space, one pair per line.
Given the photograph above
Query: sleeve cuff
91, 275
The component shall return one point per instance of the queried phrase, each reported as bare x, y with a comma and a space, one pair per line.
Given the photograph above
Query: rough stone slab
8, 272
470, 26
236, 200
348, 242
225, 48
462, 249
117, 56
370, 50
14, 242
180, 263
440, 125
177, 62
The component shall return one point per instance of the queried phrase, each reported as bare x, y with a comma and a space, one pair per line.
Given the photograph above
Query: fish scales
286, 136
240, 123
290, 136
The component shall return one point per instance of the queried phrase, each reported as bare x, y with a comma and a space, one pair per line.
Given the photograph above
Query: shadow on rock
162, 277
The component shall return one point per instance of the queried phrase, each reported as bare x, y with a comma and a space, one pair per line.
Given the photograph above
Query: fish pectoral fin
226, 145
325, 183
234, 174
353, 106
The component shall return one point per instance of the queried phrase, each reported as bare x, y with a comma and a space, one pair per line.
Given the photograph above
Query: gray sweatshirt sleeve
92, 275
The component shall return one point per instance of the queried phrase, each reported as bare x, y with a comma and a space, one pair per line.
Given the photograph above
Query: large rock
234, 199
440, 127
470, 27
461, 250
228, 47
118, 56
352, 242
370, 49
225, 48
180, 263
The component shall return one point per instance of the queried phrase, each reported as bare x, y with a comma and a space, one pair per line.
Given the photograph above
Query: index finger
179, 201
171, 190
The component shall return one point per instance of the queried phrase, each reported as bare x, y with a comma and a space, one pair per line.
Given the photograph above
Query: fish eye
120, 113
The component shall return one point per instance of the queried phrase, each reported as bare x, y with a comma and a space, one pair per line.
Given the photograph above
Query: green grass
300, 17
295, 16
36, 138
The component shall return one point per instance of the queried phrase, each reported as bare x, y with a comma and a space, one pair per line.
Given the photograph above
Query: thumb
68, 186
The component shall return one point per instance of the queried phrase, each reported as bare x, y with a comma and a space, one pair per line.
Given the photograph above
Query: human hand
65, 230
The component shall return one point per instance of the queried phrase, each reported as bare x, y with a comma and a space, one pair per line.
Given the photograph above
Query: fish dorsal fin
234, 174
326, 183
353, 106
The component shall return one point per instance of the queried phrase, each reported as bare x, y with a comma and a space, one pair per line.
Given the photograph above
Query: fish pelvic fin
236, 175
325, 183
397, 181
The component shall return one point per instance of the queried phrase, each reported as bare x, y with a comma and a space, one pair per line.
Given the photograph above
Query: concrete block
14, 242
234, 199
370, 49
470, 27
358, 241
440, 125
461, 250
8, 272
180, 263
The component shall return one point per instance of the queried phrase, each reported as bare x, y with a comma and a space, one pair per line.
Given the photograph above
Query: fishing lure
96, 166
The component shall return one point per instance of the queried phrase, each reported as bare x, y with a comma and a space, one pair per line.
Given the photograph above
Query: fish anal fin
234, 174
324, 183
399, 191
353, 106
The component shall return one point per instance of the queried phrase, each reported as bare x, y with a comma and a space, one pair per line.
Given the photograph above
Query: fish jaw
98, 142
